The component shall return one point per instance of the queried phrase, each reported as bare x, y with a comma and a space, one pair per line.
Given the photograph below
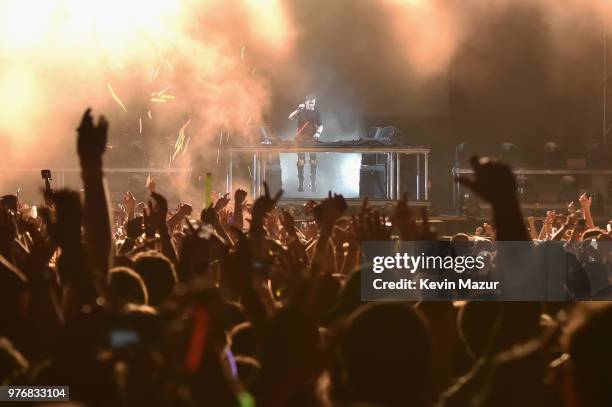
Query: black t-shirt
308, 122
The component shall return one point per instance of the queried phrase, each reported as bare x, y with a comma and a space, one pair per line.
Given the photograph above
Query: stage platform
259, 157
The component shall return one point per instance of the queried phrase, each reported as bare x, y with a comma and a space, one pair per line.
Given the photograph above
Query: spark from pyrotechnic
115, 97
181, 142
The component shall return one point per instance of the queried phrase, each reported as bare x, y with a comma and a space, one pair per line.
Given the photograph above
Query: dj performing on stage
374, 165
377, 164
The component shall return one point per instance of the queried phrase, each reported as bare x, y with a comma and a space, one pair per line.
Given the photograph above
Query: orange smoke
59, 56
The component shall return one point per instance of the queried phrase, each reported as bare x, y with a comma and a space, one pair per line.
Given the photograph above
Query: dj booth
386, 157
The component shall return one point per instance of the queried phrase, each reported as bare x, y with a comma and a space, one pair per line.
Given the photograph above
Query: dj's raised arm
294, 114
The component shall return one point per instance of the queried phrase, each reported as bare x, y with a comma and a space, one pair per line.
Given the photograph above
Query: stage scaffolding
393, 180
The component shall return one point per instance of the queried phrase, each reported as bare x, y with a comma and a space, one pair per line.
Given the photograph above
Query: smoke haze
516, 68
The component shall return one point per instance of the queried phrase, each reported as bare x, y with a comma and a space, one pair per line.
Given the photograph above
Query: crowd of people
240, 305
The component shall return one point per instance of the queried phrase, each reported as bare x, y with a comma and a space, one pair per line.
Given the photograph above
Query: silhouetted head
487, 327
460, 237
349, 298
292, 342
9, 202
126, 286
588, 344
158, 274
123, 260
383, 357
327, 295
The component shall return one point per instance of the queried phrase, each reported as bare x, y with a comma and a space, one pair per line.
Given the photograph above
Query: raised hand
211, 217
585, 201
224, 218
489, 231
288, 222
184, 210
371, 227
493, 181
91, 141
222, 202
330, 210
240, 196
405, 222
571, 219
156, 219
570, 222
265, 203
262, 206
157, 212
272, 224
130, 204
309, 206
531, 225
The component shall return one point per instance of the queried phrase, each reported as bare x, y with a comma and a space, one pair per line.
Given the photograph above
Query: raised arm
532, 228
79, 285
294, 114
176, 219
91, 144
261, 207
495, 183
239, 198
585, 203
157, 213
326, 214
